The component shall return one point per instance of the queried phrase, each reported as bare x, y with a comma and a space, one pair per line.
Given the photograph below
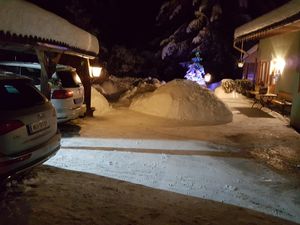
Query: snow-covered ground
194, 170
152, 160
63, 197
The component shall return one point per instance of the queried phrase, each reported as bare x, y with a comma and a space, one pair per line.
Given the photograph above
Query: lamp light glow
95, 71
240, 64
277, 65
207, 77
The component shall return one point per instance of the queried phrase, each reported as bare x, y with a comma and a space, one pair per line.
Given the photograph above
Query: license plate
77, 100
38, 126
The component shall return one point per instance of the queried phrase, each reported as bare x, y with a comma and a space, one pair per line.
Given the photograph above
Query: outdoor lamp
95, 71
240, 64
207, 77
278, 65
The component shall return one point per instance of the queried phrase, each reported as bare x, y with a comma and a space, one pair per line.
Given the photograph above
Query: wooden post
48, 62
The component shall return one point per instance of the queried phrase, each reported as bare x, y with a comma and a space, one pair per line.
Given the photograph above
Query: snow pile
100, 103
220, 93
140, 87
108, 87
184, 100
124, 89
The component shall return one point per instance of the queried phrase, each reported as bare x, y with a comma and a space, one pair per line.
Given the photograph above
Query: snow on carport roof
280, 16
26, 20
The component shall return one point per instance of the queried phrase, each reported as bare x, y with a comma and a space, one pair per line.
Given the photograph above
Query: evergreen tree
195, 70
197, 26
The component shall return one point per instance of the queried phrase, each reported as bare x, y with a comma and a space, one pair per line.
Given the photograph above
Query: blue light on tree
196, 71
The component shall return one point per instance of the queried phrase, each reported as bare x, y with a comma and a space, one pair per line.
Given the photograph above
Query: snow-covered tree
206, 26
195, 26
196, 71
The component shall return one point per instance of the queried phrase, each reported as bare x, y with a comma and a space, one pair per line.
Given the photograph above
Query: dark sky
136, 20
128, 22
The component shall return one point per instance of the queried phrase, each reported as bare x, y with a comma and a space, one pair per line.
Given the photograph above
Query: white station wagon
28, 126
67, 91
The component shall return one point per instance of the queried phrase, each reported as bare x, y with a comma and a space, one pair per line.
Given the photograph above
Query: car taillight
9, 125
62, 94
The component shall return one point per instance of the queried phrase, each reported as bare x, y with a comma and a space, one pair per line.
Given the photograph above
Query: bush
243, 86
228, 85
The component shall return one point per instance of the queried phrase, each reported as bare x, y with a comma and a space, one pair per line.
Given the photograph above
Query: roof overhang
25, 26
281, 20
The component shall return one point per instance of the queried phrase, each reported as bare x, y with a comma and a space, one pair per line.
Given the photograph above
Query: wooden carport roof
24, 26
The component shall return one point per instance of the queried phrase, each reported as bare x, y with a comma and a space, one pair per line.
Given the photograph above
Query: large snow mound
99, 102
184, 100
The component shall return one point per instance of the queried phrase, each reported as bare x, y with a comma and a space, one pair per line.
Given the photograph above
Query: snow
252, 185
162, 10
195, 24
169, 49
121, 91
175, 12
108, 87
26, 19
153, 144
183, 100
220, 93
289, 9
99, 102
216, 12
126, 167
57, 196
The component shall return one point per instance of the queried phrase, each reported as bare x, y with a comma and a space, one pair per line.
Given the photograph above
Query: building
276, 61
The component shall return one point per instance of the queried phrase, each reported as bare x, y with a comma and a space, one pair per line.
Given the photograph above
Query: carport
29, 29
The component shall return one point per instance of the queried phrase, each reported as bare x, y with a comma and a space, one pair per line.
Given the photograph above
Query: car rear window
34, 74
69, 79
18, 94
13, 69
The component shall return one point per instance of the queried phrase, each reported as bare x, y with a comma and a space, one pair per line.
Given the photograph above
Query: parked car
67, 91
28, 126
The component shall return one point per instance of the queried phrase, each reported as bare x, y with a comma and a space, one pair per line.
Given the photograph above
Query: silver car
67, 91
28, 126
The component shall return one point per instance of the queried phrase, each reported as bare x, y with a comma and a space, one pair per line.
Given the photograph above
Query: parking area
229, 163
134, 168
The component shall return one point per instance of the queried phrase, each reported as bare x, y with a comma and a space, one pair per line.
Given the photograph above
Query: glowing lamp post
207, 77
277, 67
240, 64
95, 71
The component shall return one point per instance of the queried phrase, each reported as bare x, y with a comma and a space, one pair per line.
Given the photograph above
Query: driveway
190, 167
130, 168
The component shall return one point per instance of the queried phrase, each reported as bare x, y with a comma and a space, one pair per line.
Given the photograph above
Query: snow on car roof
27, 20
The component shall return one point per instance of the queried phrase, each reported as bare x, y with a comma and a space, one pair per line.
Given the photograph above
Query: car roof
34, 65
11, 76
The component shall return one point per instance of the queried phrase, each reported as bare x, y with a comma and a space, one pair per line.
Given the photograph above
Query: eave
281, 20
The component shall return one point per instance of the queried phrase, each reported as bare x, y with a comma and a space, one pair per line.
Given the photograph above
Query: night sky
127, 22
132, 24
